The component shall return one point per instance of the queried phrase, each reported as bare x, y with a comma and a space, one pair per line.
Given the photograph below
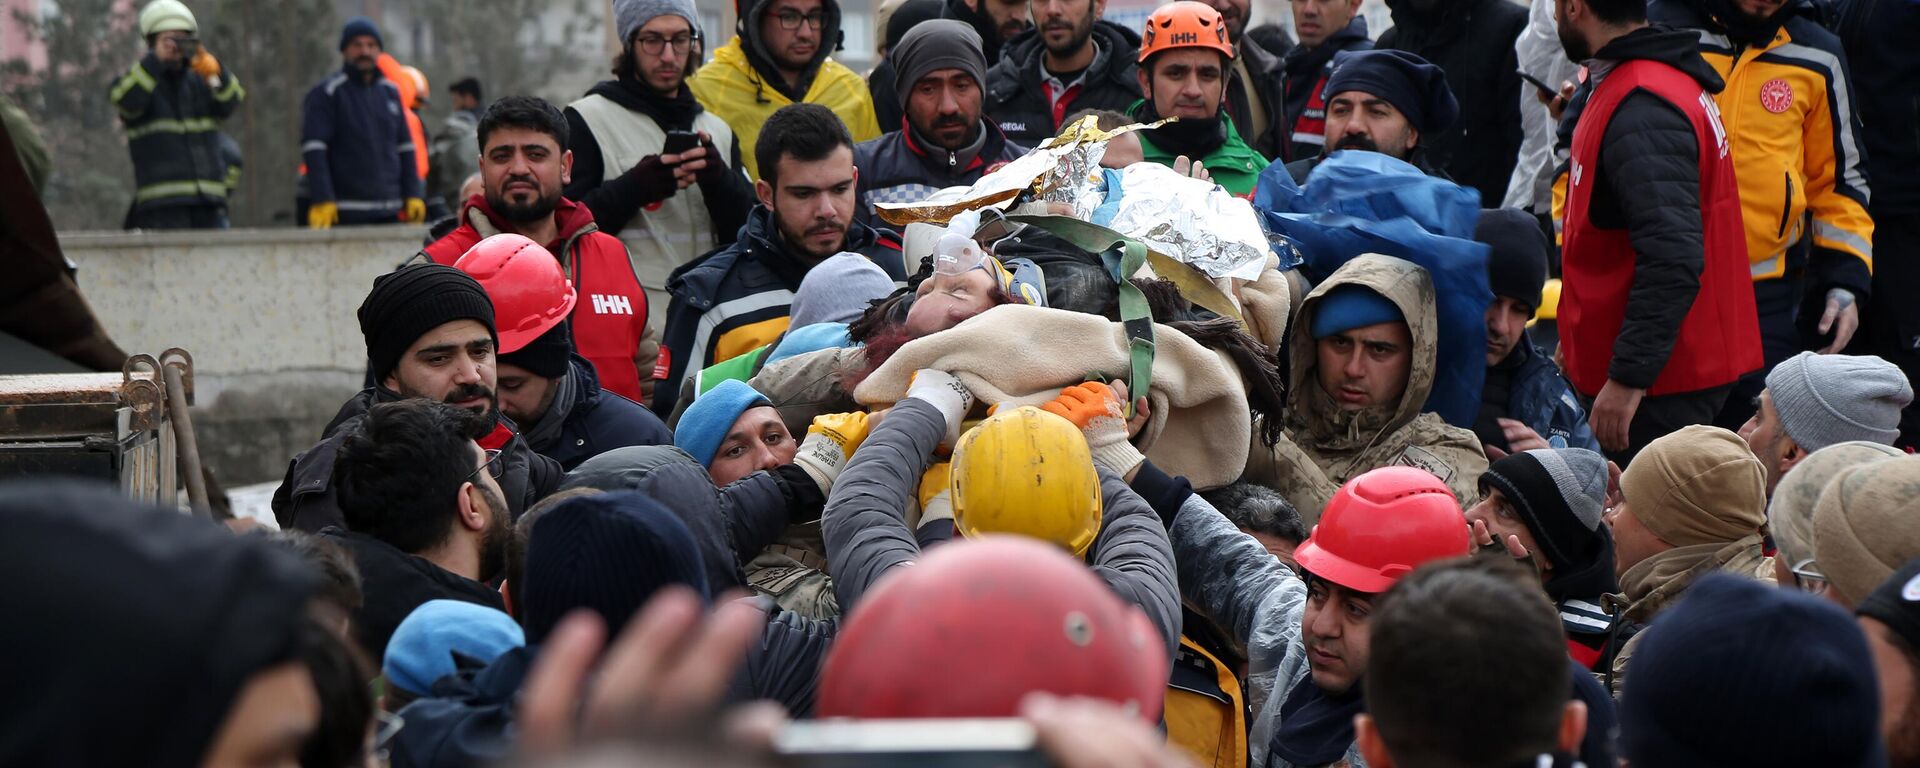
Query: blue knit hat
705, 423
1743, 674
424, 646
607, 553
1352, 306
1412, 85
357, 26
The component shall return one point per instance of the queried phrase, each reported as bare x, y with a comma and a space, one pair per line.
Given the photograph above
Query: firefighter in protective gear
171, 102
1005, 617
1026, 472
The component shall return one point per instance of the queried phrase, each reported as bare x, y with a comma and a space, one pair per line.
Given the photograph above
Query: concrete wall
267, 314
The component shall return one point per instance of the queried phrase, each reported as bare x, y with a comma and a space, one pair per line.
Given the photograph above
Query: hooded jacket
901, 168
170, 114
1324, 446
132, 629
1472, 40
1304, 74
1017, 90
735, 300
592, 421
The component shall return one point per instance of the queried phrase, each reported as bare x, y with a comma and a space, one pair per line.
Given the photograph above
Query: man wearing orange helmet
1185, 59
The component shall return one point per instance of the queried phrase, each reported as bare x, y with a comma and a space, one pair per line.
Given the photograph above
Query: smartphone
927, 743
1537, 83
680, 141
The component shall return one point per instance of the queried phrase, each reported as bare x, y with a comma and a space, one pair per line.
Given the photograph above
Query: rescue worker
412, 85
780, 55
1185, 61
170, 102
544, 387
943, 140
1363, 364
1325, 28
1472, 42
736, 299
1386, 102
1788, 106
668, 208
1071, 60
355, 142
524, 161
1525, 403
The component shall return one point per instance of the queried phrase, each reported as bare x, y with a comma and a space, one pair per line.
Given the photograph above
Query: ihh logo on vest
604, 304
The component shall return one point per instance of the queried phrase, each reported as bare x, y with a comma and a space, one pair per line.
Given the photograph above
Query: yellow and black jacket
171, 117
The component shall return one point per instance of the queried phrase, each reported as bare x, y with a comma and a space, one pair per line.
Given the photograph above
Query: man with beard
944, 143
1184, 65
736, 299
425, 518
880, 82
168, 101
1385, 102
780, 55
1525, 403
667, 207
430, 334
1472, 42
1656, 306
1325, 28
997, 22
524, 162
1071, 61
356, 144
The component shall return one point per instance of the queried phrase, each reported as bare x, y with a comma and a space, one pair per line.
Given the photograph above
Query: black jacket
1879, 37
614, 202
1303, 69
597, 421
1268, 83
899, 168
395, 583
170, 115
1472, 40
305, 500
1017, 101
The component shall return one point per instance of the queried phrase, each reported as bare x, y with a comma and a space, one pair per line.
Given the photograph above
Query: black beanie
1896, 603
607, 553
1558, 493
406, 303
1413, 86
1517, 259
546, 356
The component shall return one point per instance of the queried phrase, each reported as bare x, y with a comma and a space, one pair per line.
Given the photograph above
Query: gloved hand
323, 215
830, 440
205, 65
936, 498
716, 168
415, 212
651, 179
1097, 410
946, 393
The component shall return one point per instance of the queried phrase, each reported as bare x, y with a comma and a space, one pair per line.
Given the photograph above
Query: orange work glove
205, 65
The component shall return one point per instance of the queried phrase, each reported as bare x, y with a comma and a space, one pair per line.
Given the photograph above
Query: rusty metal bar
189, 453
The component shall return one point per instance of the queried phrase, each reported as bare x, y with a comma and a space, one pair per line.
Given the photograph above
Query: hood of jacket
675, 112
571, 220
1311, 409
1677, 48
1112, 61
749, 13
671, 476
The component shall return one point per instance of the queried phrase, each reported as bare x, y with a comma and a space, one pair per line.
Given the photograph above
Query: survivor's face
1366, 367
1066, 25
1334, 629
523, 171
362, 53
1632, 542
1503, 520
944, 106
1506, 324
1316, 20
758, 441
1186, 82
1768, 440
791, 30
454, 364
1361, 120
269, 720
661, 48
524, 397
812, 201
1235, 12
1122, 151
1899, 700
942, 301
1009, 17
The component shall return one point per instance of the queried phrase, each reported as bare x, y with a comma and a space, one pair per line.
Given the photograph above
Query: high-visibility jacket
173, 132
730, 87
391, 69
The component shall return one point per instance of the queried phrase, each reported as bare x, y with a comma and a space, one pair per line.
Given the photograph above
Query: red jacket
610, 317
1719, 340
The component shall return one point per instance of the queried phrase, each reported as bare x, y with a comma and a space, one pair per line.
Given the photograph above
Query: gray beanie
934, 45
630, 15
838, 290
1827, 399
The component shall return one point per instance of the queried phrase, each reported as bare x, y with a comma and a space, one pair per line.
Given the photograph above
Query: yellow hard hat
1549, 302
1027, 472
167, 16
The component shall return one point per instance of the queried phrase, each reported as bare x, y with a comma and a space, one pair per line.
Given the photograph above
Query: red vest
610, 317
1720, 338
1311, 125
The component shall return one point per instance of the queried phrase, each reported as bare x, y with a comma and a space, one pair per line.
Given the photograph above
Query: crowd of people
1618, 473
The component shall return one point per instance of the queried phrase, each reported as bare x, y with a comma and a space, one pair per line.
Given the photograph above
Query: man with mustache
780, 55
354, 139
997, 22
944, 142
1070, 61
430, 334
524, 163
1185, 62
1383, 101
737, 299
1325, 28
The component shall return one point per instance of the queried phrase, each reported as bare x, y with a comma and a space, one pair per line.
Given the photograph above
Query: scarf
1652, 583
1335, 429
1316, 727
674, 112
1196, 139
544, 434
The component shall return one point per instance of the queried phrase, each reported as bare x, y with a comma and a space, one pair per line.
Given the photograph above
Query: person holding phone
169, 102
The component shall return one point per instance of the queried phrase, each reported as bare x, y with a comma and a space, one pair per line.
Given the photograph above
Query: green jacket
1233, 165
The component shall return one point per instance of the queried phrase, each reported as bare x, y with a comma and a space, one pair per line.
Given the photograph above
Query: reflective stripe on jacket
173, 132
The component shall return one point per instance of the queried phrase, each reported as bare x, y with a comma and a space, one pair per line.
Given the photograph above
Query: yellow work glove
205, 65
416, 211
830, 441
323, 215
936, 496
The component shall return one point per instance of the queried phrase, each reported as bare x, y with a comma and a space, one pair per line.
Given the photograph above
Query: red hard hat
1380, 526
977, 624
530, 294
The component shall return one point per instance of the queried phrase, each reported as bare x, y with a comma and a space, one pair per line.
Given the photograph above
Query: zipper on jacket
953, 161
1786, 206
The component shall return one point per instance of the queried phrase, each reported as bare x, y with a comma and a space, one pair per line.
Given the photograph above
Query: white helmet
167, 16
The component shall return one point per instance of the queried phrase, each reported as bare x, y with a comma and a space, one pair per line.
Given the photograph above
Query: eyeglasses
652, 45
790, 20
493, 466
1809, 580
